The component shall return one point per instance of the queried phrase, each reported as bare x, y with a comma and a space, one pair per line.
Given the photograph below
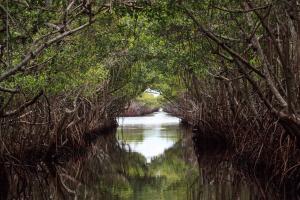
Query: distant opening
155, 93
148, 102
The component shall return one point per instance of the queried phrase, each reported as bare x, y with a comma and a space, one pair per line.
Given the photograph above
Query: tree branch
242, 10
233, 53
8, 90
31, 55
22, 107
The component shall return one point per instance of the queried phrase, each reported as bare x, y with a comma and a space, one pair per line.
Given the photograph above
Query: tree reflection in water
109, 170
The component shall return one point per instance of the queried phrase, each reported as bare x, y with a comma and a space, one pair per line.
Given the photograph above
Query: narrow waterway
172, 166
147, 158
150, 135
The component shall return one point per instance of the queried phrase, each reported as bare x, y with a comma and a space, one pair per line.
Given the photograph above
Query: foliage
149, 100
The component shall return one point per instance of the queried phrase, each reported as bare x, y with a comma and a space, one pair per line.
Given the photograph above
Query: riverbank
259, 148
102, 161
269, 168
38, 165
49, 134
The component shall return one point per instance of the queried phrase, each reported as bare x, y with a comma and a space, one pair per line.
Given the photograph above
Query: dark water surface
148, 158
172, 167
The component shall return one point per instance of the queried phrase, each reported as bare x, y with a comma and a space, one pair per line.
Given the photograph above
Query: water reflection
151, 121
149, 135
149, 158
157, 138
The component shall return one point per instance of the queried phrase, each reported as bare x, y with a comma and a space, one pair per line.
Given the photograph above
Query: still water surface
150, 135
170, 167
174, 171
147, 158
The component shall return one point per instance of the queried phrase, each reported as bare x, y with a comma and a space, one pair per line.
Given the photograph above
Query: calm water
149, 135
148, 158
158, 139
174, 170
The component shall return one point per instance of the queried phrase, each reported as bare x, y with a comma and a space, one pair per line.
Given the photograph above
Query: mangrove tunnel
150, 99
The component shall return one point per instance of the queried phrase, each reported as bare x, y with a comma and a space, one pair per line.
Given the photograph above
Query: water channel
173, 168
159, 139
148, 158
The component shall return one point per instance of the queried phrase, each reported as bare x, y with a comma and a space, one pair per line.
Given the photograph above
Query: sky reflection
149, 135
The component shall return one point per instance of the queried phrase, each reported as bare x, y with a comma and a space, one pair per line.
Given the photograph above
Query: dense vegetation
66, 68
145, 103
229, 68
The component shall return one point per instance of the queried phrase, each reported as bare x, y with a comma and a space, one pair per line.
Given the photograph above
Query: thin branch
228, 38
220, 77
31, 55
22, 107
242, 10
4, 63
270, 33
214, 38
8, 14
8, 90
39, 64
